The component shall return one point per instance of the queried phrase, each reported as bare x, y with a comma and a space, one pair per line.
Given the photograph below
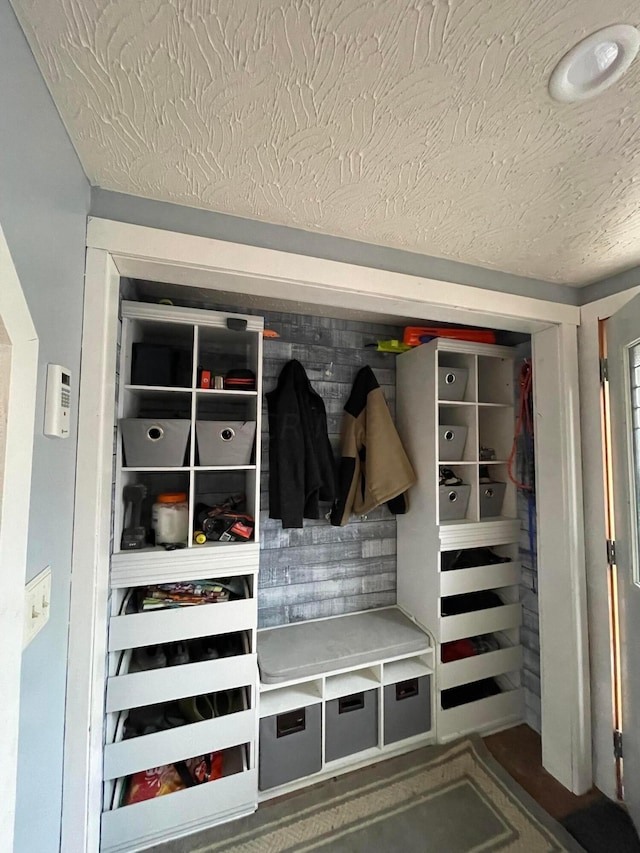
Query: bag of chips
157, 781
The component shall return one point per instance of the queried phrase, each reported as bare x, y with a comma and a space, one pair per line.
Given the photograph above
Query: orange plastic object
171, 498
412, 334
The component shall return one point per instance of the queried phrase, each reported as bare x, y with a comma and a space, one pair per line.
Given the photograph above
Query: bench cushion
305, 649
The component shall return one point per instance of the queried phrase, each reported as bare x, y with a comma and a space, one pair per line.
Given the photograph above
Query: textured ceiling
414, 124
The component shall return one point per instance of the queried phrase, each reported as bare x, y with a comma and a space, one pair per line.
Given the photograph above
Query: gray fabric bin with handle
351, 724
154, 442
290, 746
407, 709
452, 382
453, 502
491, 499
451, 442
225, 442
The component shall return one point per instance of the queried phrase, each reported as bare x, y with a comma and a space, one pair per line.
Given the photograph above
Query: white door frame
14, 513
119, 249
595, 538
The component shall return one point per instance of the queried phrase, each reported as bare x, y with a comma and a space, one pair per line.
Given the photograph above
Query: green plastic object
392, 346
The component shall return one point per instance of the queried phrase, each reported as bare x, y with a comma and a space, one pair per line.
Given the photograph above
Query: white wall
43, 206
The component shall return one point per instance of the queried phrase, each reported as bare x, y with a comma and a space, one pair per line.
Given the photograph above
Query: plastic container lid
172, 498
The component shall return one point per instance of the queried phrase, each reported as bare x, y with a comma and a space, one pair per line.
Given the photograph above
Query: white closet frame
119, 249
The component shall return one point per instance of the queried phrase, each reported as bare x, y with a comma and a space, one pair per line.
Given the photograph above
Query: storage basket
453, 502
491, 499
451, 442
407, 709
290, 746
225, 442
351, 724
154, 442
452, 382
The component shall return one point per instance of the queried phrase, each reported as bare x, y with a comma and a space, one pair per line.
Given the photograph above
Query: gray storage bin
225, 442
453, 502
290, 746
351, 724
452, 382
154, 442
491, 499
451, 442
407, 709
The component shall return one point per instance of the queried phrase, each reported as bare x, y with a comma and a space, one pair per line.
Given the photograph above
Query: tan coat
374, 468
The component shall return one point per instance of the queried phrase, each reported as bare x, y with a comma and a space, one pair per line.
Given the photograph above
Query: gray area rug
451, 799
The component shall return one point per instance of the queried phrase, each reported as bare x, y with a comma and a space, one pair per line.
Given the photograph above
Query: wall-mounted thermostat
57, 407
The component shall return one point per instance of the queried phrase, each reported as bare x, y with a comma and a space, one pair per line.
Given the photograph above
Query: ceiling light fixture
594, 64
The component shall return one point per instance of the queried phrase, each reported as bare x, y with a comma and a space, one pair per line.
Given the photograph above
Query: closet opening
488, 650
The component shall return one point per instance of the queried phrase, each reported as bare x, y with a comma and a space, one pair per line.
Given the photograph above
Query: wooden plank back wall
321, 570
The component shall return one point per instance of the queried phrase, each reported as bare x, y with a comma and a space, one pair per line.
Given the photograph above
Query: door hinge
611, 552
617, 743
604, 369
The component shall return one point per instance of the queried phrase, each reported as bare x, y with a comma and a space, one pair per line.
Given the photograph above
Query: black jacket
301, 463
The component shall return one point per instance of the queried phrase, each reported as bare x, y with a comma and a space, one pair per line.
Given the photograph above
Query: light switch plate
37, 603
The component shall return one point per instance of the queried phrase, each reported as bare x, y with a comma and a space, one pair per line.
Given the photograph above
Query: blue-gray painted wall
44, 200
205, 223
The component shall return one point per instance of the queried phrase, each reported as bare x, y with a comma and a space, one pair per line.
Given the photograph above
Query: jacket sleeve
287, 459
389, 472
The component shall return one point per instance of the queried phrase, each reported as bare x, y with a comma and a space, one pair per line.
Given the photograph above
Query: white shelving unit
428, 544
203, 337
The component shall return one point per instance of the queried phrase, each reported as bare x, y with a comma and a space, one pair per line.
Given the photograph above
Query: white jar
170, 518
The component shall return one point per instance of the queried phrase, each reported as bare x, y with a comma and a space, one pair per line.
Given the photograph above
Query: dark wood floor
519, 751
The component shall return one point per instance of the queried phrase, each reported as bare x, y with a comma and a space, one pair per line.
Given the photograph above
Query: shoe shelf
164, 684
458, 566
171, 816
135, 629
183, 680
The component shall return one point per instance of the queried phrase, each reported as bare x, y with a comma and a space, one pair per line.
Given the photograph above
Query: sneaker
177, 654
449, 478
206, 648
148, 657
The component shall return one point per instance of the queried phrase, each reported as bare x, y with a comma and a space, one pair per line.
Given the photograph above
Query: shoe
177, 654
449, 478
483, 474
196, 708
148, 657
152, 718
206, 648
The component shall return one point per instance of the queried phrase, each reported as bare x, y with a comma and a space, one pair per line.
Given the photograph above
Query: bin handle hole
488, 493
449, 435
155, 433
449, 378
453, 496
227, 434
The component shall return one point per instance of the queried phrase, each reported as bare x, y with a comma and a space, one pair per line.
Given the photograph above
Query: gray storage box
407, 709
225, 442
452, 382
491, 498
351, 724
154, 443
290, 746
453, 502
451, 442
